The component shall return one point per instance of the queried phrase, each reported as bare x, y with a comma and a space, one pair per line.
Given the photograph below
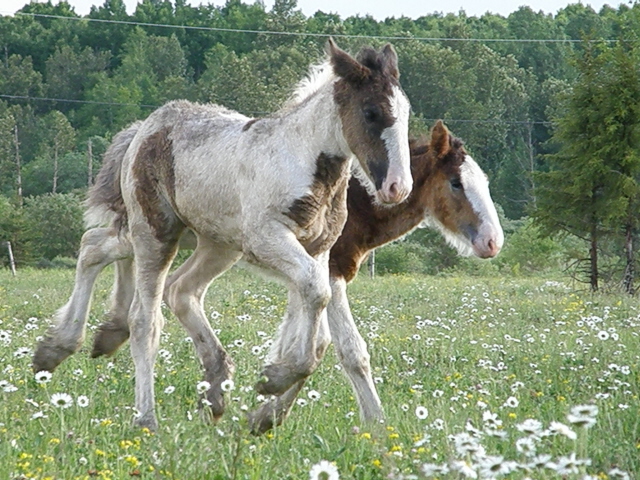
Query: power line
116, 104
70, 100
317, 35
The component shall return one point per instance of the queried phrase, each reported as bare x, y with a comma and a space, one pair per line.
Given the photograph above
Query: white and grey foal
269, 190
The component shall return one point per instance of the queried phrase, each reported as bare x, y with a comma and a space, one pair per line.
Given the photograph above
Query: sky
379, 9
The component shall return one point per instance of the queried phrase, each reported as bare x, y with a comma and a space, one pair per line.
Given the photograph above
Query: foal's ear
440, 139
389, 59
344, 65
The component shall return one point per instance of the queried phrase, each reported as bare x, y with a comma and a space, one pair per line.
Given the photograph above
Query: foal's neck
317, 125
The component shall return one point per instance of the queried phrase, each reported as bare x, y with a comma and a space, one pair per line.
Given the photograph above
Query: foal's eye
370, 114
456, 184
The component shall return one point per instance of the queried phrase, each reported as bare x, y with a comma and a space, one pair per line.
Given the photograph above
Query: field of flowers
480, 377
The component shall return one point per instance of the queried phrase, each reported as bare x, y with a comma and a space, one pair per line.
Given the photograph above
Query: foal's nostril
493, 247
393, 190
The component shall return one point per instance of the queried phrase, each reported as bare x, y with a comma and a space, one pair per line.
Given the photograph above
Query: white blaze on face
398, 182
490, 237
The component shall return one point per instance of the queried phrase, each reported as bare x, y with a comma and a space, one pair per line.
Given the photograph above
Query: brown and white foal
271, 191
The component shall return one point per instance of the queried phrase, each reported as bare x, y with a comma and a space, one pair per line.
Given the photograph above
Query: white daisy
434, 470
227, 385
618, 474
583, 421
493, 466
82, 401
22, 352
527, 446
585, 410
559, 428
62, 400
43, 376
203, 386
324, 470
5, 337
170, 389
465, 443
464, 469
421, 412
568, 465
530, 426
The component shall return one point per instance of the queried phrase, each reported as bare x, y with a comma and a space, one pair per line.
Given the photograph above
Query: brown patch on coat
370, 225
153, 171
248, 125
321, 214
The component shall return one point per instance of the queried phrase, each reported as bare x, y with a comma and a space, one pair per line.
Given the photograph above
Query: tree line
505, 85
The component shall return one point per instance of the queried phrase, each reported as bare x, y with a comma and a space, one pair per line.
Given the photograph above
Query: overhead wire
312, 34
276, 32
117, 104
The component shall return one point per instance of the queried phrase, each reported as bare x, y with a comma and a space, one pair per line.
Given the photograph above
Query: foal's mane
318, 76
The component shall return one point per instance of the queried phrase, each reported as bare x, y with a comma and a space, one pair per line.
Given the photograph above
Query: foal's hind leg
114, 332
99, 248
184, 293
152, 261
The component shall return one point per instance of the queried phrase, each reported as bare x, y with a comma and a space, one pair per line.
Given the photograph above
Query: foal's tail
104, 203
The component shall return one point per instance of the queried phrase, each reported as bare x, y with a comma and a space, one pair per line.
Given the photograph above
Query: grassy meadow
518, 378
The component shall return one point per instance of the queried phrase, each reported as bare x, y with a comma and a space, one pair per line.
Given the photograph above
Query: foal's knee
176, 297
91, 248
317, 291
356, 360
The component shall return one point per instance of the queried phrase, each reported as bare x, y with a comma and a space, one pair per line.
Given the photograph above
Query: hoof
147, 420
48, 357
108, 339
212, 405
276, 379
263, 419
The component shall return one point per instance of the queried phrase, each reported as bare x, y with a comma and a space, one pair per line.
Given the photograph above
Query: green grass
517, 348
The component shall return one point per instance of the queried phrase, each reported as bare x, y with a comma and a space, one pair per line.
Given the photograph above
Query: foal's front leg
352, 352
274, 411
295, 353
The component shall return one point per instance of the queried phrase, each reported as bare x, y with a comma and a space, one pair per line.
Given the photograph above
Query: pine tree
592, 189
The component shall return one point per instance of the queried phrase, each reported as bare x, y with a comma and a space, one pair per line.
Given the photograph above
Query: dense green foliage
500, 83
451, 356
592, 188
